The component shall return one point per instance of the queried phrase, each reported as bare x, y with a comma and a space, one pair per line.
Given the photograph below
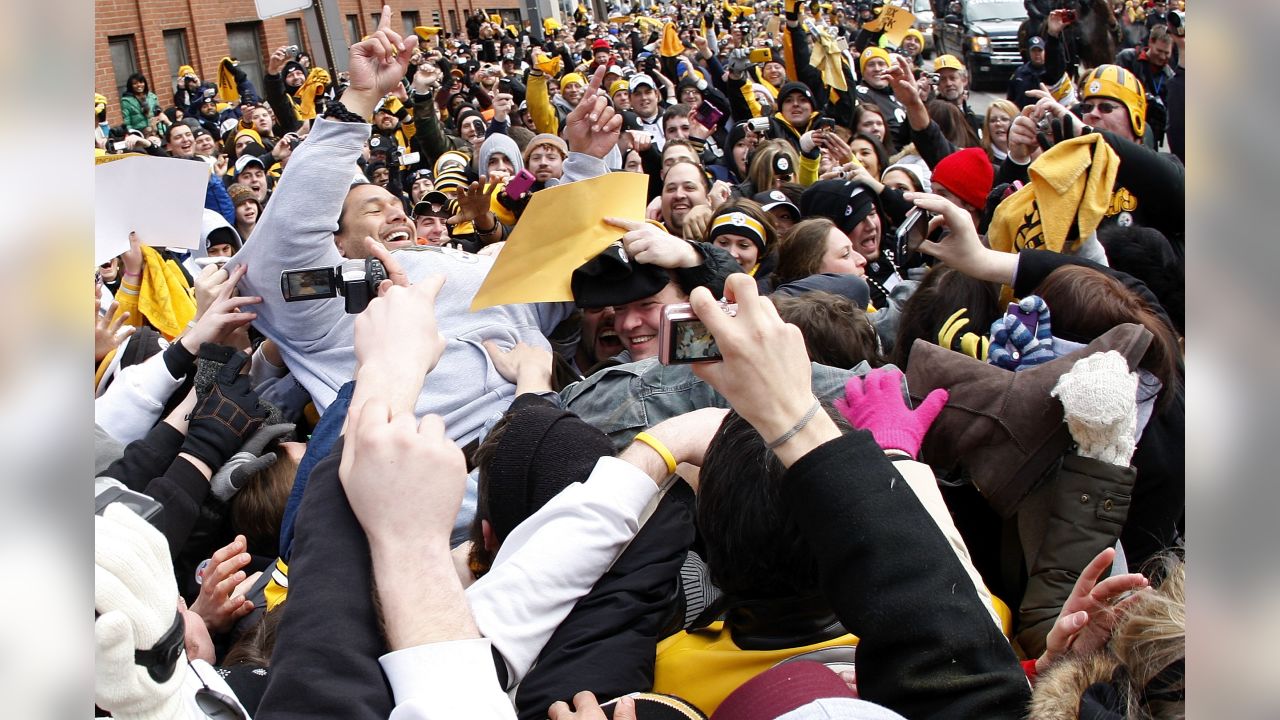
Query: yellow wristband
659, 448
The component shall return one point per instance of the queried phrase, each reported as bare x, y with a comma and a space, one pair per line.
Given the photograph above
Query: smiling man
317, 216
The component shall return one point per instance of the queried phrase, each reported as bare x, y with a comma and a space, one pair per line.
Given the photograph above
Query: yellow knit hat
869, 54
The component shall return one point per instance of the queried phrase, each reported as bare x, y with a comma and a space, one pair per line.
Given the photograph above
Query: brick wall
206, 24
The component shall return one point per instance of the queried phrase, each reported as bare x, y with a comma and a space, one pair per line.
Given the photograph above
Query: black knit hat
543, 450
844, 202
612, 278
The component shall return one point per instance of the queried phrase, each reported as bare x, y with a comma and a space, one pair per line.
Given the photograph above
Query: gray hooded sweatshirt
316, 338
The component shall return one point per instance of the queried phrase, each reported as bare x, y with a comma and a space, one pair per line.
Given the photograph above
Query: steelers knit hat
870, 53
1113, 81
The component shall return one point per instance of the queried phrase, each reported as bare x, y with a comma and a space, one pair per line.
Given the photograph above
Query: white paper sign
273, 8
161, 199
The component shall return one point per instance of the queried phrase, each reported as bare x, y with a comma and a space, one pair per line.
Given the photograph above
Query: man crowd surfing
877, 413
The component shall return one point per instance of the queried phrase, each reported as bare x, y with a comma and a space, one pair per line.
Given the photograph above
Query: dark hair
871, 108
702, 174
942, 292
1085, 303
480, 559
678, 110
954, 125
754, 547
128, 84
801, 249
882, 156
255, 646
836, 332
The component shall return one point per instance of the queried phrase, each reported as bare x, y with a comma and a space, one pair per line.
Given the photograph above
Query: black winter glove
225, 417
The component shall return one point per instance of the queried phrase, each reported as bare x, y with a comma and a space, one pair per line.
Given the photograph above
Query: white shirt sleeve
555, 557
446, 680
133, 401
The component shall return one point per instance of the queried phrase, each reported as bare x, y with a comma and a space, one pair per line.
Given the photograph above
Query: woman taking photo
995, 130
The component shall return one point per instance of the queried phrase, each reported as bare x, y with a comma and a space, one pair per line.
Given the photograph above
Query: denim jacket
625, 399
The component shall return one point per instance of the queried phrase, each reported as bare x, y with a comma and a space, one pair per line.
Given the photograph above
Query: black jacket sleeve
807, 73
1036, 265
927, 647
717, 265
1158, 182
181, 490
281, 105
146, 458
931, 144
325, 662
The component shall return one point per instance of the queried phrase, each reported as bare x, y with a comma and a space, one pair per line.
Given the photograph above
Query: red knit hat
967, 174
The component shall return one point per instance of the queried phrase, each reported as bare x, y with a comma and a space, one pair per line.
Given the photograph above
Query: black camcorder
356, 281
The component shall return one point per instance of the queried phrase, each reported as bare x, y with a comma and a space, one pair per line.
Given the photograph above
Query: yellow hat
1113, 81
99, 103
617, 86
551, 24
919, 36
869, 54
947, 62
185, 70
573, 77
426, 31
495, 19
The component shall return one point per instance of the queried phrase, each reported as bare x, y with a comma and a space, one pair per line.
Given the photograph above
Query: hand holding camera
765, 372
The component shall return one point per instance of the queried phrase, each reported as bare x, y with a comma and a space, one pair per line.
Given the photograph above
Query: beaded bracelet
335, 110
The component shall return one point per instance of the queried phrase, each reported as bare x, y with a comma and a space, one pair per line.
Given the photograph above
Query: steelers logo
1095, 87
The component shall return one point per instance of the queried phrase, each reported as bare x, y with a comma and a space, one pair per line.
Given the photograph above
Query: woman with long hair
137, 103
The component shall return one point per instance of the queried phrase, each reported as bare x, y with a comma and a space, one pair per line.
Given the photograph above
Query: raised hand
1091, 612
109, 330
225, 311
376, 64
474, 201
650, 245
592, 128
218, 604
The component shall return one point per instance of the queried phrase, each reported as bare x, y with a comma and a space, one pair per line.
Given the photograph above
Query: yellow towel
165, 297
227, 89
305, 103
1071, 183
671, 45
829, 61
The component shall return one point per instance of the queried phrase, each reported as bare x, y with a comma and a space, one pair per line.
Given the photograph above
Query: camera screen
315, 283
692, 342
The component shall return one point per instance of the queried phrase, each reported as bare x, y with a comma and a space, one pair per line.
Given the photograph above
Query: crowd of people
878, 412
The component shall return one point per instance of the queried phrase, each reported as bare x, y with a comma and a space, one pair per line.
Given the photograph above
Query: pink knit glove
874, 402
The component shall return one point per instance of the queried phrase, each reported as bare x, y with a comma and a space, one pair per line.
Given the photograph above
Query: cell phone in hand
708, 115
520, 184
1029, 319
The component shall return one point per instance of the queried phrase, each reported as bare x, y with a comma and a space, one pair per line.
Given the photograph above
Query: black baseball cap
776, 199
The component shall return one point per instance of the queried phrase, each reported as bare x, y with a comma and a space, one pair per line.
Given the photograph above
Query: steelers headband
738, 223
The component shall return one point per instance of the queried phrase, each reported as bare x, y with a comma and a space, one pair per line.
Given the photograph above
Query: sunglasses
1104, 108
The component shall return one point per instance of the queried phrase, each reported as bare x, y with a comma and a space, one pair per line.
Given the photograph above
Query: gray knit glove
249, 461
1100, 398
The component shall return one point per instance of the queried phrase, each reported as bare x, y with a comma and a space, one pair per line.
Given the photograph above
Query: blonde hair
1151, 641
760, 169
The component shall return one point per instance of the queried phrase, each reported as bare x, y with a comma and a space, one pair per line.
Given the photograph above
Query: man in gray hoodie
318, 217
